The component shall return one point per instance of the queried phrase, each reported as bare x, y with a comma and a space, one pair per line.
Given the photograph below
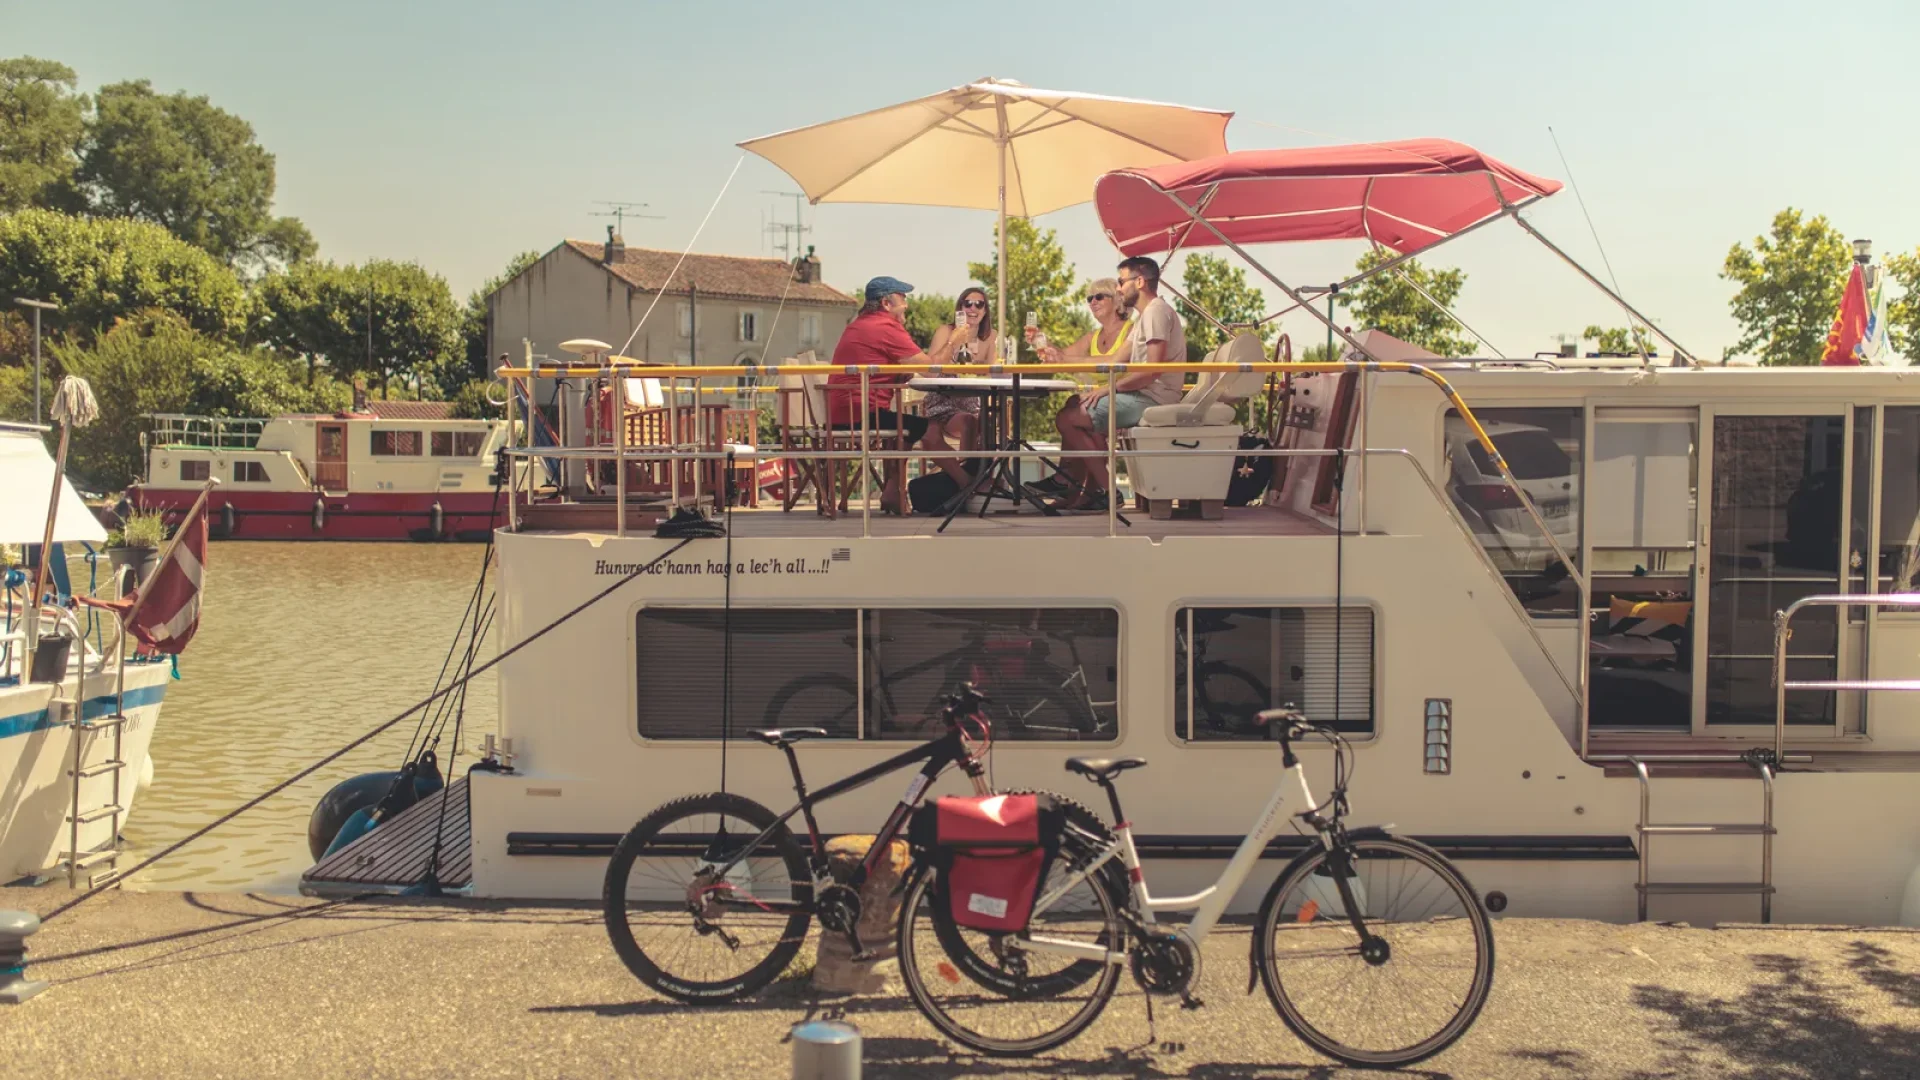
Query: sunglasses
975, 305
1099, 296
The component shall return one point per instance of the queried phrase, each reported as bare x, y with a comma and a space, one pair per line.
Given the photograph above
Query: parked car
1545, 471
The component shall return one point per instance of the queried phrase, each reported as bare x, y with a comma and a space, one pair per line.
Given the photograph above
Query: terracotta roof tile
411, 410
731, 276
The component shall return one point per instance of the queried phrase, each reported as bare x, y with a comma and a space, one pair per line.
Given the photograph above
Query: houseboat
387, 470
1622, 636
77, 714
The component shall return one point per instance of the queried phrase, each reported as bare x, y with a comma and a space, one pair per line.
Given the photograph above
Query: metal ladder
84, 731
1763, 763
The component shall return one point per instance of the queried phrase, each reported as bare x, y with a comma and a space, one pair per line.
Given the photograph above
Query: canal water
302, 648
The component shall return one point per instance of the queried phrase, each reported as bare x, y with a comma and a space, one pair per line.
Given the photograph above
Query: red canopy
1403, 195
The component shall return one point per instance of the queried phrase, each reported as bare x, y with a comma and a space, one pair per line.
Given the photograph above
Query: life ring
319, 514
438, 519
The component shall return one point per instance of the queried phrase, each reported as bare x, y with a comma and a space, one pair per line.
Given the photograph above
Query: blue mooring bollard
826, 1050
15, 928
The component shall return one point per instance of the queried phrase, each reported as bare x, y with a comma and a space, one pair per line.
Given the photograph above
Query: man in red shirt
878, 335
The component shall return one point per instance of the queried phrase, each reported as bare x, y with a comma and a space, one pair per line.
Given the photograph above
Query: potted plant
136, 543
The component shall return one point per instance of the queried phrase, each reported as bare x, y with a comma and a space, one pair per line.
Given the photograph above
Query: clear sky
459, 134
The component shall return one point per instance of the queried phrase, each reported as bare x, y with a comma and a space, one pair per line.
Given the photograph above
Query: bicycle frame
1210, 903
938, 755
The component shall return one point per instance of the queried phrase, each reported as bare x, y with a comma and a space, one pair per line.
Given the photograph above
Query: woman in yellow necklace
1112, 324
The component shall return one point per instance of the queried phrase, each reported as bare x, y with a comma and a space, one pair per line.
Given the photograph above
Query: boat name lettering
718, 567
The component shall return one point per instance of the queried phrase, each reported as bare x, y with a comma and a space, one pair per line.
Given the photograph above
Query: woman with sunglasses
957, 414
1113, 322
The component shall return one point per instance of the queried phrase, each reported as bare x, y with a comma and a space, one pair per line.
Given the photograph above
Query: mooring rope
359, 742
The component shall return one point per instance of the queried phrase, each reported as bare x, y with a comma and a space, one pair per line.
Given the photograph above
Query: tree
1222, 290
101, 270
473, 319
926, 313
41, 123
154, 362
383, 319
1039, 279
1387, 302
1903, 315
1790, 285
182, 163
1619, 340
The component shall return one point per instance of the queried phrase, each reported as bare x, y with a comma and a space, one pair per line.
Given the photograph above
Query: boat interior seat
785, 737
1100, 770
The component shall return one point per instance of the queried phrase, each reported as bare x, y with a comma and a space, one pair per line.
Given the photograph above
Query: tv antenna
621, 211
788, 236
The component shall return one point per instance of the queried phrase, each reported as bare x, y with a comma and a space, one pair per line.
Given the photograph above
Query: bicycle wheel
1409, 993
1229, 698
984, 991
1044, 710
691, 935
819, 700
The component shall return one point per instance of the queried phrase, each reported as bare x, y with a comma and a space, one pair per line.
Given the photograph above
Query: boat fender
361, 792
319, 514
357, 826
426, 775
439, 519
146, 774
228, 519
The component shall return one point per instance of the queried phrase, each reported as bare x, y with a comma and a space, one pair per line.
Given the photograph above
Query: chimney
806, 268
616, 249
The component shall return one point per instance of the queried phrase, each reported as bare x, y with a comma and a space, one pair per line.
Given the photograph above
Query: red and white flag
166, 611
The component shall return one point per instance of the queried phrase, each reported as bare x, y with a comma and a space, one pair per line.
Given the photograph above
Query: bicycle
1227, 697
1032, 693
722, 880
1361, 912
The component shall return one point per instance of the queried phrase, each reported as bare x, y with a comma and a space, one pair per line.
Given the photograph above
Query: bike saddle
1099, 769
783, 737
1284, 716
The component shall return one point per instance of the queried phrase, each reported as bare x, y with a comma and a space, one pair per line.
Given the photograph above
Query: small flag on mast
1850, 325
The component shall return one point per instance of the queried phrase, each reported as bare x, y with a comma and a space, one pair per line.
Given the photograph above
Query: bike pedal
861, 957
1192, 1003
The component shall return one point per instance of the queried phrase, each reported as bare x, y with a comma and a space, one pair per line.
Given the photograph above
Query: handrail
1783, 632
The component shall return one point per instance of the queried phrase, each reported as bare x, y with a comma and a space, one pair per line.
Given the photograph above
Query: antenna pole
620, 212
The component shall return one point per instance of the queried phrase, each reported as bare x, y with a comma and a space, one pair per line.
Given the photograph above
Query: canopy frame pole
1679, 350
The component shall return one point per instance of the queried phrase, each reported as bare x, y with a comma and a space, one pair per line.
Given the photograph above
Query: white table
1000, 426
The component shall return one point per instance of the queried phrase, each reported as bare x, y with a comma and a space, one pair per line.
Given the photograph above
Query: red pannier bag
992, 854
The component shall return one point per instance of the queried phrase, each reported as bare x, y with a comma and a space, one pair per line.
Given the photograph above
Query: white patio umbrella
990, 145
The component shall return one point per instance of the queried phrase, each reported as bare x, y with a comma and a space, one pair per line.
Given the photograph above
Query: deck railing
1783, 633
207, 432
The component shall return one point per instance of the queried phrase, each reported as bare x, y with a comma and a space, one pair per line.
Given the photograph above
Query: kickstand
1153, 1038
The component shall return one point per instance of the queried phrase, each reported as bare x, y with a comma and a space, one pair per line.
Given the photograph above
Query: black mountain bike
709, 897
1031, 694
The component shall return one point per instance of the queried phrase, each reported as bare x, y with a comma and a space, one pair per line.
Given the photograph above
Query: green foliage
471, 403
41, 122
473, 318
16, 393
1221, 289
1903, 315
101, 270
158, 364
141, 529
1387, 302
1039, 279
385, 320
191, 167
1619, 340
1790, 286
926, 313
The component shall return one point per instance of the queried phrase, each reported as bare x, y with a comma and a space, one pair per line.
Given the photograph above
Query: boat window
790, 667
1543, 448
249, 472
194, 470
388, 443
878, 673
1248, 659
1900, 500
460, 444
1050, 672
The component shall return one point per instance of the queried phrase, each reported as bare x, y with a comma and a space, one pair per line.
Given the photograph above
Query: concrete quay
161, 985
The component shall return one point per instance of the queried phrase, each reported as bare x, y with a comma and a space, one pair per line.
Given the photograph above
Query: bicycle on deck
1373, 948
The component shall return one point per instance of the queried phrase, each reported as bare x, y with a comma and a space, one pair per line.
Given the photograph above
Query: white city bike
1373, 948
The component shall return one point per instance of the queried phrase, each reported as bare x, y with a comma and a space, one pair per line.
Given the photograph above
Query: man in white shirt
1158, 338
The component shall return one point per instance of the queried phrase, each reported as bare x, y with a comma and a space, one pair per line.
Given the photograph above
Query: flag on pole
1850, 325
1874, 341
163, 614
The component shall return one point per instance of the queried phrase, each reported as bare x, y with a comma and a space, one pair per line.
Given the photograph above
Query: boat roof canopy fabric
1404, 195
26, 469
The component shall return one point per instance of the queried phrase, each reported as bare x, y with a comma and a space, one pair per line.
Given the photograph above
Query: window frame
1376, 680
373, 442
251, 466
1585, 408
809, 337
204, 464
748, 321
453, 437
864, 739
